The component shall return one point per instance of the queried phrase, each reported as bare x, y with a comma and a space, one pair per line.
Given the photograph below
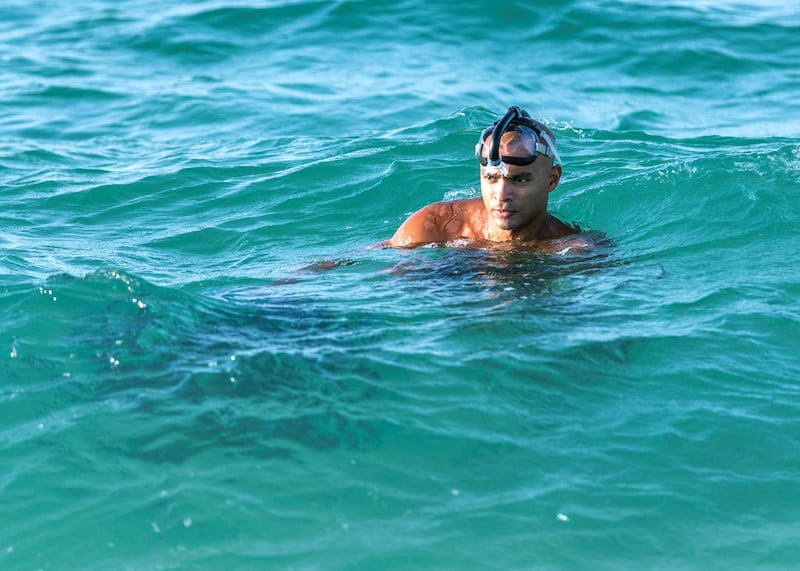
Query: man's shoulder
556, 228
461, 218
437, 222
448, 206
447, 212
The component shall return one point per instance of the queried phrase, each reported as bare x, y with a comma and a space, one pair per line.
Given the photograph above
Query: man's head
519, 168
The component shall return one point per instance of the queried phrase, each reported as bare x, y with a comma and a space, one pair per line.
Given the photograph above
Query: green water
182, 388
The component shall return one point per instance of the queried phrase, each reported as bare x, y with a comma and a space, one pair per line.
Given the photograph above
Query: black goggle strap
520, 161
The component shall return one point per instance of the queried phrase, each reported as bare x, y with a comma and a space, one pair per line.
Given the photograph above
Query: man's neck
536, 230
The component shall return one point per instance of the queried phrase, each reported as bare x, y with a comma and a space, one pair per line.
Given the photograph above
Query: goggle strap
543, 149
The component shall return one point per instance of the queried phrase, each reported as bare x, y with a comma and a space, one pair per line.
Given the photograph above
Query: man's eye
491, 177
520, 179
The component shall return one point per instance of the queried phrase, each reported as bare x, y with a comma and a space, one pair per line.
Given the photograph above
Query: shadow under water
502, 266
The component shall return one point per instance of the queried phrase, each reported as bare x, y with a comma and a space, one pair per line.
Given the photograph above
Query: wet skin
513, 206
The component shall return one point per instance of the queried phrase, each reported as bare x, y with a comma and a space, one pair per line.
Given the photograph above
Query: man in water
519, 168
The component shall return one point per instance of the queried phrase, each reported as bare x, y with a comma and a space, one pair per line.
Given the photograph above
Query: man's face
518, 199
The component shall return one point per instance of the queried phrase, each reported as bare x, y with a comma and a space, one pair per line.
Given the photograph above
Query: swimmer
519, 168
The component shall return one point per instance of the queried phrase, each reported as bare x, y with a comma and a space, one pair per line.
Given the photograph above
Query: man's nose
502, 189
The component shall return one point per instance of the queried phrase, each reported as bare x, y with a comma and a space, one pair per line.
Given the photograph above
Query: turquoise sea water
182, 386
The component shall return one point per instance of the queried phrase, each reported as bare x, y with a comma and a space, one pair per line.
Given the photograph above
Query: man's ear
555, 177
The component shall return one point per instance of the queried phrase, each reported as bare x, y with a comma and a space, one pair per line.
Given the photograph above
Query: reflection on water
505, 266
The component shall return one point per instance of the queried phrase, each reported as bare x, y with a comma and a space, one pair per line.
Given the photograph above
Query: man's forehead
512, 143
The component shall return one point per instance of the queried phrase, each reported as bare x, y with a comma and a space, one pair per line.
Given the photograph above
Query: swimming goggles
518, 120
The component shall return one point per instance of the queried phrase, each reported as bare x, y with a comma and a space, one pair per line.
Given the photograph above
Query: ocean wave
199, 339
